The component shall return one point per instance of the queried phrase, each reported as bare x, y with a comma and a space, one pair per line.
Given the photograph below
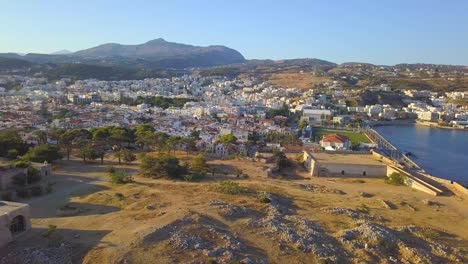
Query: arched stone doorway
18, 225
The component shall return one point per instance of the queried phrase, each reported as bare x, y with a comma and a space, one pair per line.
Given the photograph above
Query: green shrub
41, 153
230, 187
120, 177
127, 156
199, 163
119, 196
163, 166
194, 176
263, 197
12, 154
50, 230
396, 179
22, 164
34, 175
110, 169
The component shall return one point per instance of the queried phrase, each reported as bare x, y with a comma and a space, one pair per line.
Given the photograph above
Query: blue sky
375, 31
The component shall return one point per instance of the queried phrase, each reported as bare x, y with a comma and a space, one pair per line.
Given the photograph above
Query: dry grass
297, 80
115, 214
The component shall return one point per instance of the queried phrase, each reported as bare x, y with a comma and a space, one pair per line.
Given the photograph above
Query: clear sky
375, 31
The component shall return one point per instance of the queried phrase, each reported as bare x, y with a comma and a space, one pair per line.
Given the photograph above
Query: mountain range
154, 54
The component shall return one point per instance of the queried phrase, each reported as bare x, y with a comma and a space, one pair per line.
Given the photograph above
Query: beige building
323, 164
14, 221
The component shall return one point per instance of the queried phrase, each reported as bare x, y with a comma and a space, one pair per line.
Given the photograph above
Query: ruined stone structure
14, 221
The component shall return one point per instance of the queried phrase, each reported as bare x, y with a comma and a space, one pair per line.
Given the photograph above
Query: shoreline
416, 123
435, 125
426, 171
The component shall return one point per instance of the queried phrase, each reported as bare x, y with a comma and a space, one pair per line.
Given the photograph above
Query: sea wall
414, 182
383, 158
457, 188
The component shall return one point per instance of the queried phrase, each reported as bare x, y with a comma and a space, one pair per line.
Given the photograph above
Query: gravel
402, 242
230, 210
354, 214
50, 255
304, 234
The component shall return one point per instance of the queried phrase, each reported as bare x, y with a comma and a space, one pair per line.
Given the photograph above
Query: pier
418, 177
391, 151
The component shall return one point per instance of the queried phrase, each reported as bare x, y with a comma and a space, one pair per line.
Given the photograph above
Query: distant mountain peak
166, 53
156, 41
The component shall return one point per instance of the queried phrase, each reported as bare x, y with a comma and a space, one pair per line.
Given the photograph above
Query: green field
355, 137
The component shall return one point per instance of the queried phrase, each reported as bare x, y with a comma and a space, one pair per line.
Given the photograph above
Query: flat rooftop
6, 207
340, 158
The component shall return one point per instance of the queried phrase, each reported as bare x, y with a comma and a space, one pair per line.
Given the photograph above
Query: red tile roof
335, 138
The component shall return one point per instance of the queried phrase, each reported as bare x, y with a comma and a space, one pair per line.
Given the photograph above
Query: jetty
416, 176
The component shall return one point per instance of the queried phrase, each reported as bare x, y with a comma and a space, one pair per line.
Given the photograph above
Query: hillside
303, 220
155, 54
79, 71
11, 63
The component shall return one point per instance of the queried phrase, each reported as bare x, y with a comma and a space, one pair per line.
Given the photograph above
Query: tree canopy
163, 166
44, 152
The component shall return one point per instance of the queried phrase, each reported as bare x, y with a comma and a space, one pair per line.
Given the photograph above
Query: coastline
435, 125
428, 173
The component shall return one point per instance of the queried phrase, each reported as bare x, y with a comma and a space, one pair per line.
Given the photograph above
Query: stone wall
414, 182
8, 211
350, 170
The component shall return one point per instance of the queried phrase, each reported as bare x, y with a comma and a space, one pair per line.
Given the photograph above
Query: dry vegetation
297, 80
282, 220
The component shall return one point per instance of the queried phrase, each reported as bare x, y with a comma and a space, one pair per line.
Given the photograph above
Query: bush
199, 163
396, 179
34, 175
127, 156
164, 166
12, 154
41, 153
194, 176
119, 196
282, 162
263, 197
36, 191
120, 177
22, 164
50, 230
230, 187
238, 172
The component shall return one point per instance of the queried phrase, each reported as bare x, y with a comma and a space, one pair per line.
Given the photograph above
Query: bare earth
306, 221
297, 80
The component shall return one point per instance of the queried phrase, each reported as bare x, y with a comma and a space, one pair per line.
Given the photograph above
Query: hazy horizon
355, 31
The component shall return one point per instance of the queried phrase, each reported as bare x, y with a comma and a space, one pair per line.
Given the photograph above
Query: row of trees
94, 143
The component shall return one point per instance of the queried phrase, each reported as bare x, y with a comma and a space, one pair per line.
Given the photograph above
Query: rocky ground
267, 221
